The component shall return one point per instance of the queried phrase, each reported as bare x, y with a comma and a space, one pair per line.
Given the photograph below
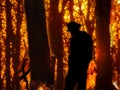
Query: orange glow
80, 12
23, 40
60, 5
115, 41
66, 17
83, 13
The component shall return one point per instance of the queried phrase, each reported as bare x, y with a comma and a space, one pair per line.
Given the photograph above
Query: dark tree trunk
9, 37
55, 23
117, 65
71, 10
16, 47
37, 39
104, 65
1, 85
90, 23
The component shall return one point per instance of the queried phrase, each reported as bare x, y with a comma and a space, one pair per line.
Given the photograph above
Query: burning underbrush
36, 85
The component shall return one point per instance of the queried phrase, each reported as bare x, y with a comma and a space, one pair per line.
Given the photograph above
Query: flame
118, 1
115, 40
43, 86
80, 15
115, 84
60, 6
40, 88
23, 41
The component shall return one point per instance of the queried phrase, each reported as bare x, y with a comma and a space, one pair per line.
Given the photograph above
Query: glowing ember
43, 86
118, 1
115, 84
40, 88
83, 11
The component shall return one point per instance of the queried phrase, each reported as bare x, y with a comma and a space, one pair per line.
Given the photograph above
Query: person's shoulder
85, 34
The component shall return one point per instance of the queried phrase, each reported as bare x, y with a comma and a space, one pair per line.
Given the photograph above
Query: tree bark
7, 43
37, 40
1, 85
16, 47
104, 64
55, 24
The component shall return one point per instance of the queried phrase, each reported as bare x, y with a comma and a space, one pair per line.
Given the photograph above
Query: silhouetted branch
24, 73
23, 76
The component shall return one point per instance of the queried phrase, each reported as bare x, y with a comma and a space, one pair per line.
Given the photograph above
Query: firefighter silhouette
79, 57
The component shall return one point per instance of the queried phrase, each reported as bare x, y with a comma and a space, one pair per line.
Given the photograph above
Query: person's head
73, 27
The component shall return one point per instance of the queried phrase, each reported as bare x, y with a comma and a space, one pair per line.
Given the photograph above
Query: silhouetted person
79, 58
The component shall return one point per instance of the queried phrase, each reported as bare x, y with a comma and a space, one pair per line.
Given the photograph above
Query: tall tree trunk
16, 48
1, 85
71, 10
37, 39
55, 23
90, 23
104, 65
8, 42
118, 60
